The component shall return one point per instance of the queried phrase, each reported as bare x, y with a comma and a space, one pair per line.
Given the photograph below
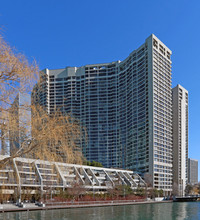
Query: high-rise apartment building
180, 137
19, 121
192, 171
126, 107
4, 138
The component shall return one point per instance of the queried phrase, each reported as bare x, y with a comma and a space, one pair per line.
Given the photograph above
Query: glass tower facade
126, 107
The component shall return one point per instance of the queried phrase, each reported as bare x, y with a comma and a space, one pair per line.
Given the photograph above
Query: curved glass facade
126, 108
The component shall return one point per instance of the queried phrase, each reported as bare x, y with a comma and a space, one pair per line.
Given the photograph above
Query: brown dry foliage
52, 137
76, 190
16, 75
55, 137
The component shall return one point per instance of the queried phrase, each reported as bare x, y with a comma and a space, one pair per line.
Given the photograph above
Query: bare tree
76, 190
55, 137
175, 189
148, 179
50, 137
16, 75
188, 189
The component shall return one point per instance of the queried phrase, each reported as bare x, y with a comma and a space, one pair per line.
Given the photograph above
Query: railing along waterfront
70, 203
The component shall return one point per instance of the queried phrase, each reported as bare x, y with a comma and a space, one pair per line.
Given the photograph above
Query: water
178, 211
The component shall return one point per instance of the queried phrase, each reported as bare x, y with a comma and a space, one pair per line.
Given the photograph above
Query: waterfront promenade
71, 205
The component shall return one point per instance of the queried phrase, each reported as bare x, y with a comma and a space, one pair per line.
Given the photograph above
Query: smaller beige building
192, 171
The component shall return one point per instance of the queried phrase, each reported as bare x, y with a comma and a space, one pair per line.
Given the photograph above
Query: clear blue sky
73, 33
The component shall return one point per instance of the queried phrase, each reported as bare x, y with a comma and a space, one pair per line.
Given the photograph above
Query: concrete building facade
180, 137
19, 121
126, 107
192, 171
4, 138
24, 173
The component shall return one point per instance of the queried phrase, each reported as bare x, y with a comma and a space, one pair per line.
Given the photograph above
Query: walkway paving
32, 206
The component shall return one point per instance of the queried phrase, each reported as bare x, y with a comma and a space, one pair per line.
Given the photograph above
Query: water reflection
180, 211
177, 211
187, 210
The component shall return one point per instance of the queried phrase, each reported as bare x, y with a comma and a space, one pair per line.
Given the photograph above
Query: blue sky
73, 33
